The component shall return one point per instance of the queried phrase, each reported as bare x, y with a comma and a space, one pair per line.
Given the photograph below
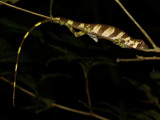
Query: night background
54, 64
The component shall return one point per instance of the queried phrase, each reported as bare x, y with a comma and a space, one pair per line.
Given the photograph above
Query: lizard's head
140, 44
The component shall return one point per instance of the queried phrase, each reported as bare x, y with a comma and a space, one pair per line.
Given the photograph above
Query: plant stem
139, 58
87, 86
24, 10
87, 90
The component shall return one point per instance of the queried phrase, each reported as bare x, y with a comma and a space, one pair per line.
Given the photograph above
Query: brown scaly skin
108, 32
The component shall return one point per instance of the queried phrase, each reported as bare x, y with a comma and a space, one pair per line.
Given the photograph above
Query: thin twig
137, 24
24, 10
139, 58
54, 104
87, 87
50, 9
19, 87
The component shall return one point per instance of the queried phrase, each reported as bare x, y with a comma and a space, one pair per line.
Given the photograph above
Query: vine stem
54, 104
137, 24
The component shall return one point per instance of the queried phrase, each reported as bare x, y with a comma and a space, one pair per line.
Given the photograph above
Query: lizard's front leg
79, 33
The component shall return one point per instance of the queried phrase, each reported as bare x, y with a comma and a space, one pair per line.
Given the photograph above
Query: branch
19, 87
137, 24
139, 58
56, 105
24, 10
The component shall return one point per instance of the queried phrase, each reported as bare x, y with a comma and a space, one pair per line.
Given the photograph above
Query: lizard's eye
141, 42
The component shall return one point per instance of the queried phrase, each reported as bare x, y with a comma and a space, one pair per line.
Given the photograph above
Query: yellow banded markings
96, 28
132, 43
119, 35
19, 50
135, 44
16, 67
70, 22
127, 38
18, 54
26, 35
81, 25
39, 23
57, 18
108, 31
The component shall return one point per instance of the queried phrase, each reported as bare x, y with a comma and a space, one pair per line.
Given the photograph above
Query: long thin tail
18, 54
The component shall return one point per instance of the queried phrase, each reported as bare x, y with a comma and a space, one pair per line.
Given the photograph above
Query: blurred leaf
153, 114
84, 104
6, 52
63, 50
147, 90
112, 110
66, 57
18, 28
72, 40
40, 105
144, 115
155, 75
89, 63
48, 102
29, 81
100, 60
55, 75
139, 116
68, 39
111, 107
12, 1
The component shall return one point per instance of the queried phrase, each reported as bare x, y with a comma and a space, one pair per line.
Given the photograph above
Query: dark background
119, 91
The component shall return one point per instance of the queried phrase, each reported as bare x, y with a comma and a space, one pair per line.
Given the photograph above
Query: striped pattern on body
108, 32
111, 33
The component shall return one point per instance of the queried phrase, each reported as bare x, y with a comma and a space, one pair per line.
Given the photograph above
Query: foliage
12, 1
